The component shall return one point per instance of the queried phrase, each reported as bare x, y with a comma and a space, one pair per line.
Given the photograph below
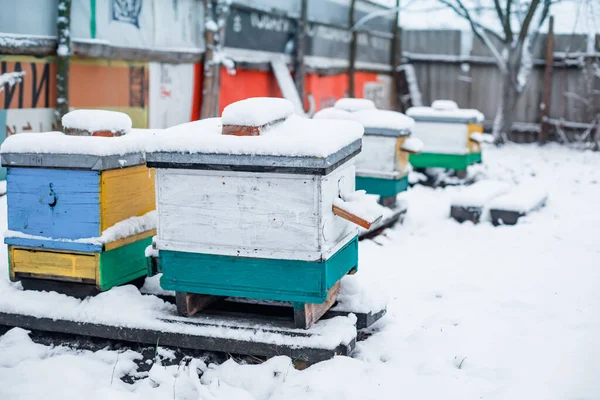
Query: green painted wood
123, 264
256, 278
342, 262
456, 162
382, 187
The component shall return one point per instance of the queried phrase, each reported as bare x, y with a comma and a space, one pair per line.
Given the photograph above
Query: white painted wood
440, 137
336, 231
378, 154
247, 214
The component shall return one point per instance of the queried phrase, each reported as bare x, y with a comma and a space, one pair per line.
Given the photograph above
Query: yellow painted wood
125, 193
129, 239
57, 265
401, 155
473, 147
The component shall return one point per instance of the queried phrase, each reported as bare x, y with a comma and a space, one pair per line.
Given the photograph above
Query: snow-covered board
469, 203
228, 333
520, 201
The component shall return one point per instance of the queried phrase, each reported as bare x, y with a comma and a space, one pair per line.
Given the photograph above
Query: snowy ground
476, 312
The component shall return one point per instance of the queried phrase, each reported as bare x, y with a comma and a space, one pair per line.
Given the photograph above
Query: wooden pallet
283, 312
230, 316
304, 314
77, 331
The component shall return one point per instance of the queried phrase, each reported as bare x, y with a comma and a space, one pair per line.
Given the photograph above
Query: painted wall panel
54, 203
171, 94
28, 17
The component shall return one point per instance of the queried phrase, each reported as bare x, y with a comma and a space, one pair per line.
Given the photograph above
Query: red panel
197, 100
245, 84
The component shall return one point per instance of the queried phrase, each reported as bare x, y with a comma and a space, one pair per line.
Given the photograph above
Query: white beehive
446, 129
260, 183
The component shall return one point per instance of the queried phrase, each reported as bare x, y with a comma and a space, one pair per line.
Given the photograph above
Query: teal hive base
457, 162
257, 278
382, 187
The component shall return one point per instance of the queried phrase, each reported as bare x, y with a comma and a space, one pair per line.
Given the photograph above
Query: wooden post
208, 99
63, 51
547, 83
396, 60
299, 69
353, 45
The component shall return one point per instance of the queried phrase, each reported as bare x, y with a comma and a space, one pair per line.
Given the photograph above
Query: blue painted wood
54, 203
2, 137
256, 278
53, 245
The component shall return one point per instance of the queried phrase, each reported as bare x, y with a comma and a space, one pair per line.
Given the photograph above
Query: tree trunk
505, 115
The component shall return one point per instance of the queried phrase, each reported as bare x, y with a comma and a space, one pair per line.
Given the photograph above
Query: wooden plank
402, 155
307, 314
123, 264
189, 304
473, 146
129, 240
54, 203
355, 219
125, 193
79, 290
58, 265
181, 340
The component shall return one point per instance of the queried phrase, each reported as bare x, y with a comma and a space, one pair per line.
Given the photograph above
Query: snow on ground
475, 312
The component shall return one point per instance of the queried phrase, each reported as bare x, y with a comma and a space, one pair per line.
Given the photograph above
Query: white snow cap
59, 143
257, 111
444, 110
354, 104
333, 113
296, 136
97, 121
445, 105
384, 119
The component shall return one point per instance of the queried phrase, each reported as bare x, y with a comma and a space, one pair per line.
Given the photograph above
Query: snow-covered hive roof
96, 123
283, 140
376, 122
351, 104
445, 111
58, 150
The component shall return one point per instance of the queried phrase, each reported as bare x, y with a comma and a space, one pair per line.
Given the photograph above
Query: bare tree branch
507, 27
503, 21
528, 18
545, 12
478, 30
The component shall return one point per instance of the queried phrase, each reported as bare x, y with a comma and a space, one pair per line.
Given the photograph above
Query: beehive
253, 216
448, 136
383, 165
80, 208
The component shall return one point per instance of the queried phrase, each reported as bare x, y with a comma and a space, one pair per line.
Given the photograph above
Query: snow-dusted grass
511, 312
